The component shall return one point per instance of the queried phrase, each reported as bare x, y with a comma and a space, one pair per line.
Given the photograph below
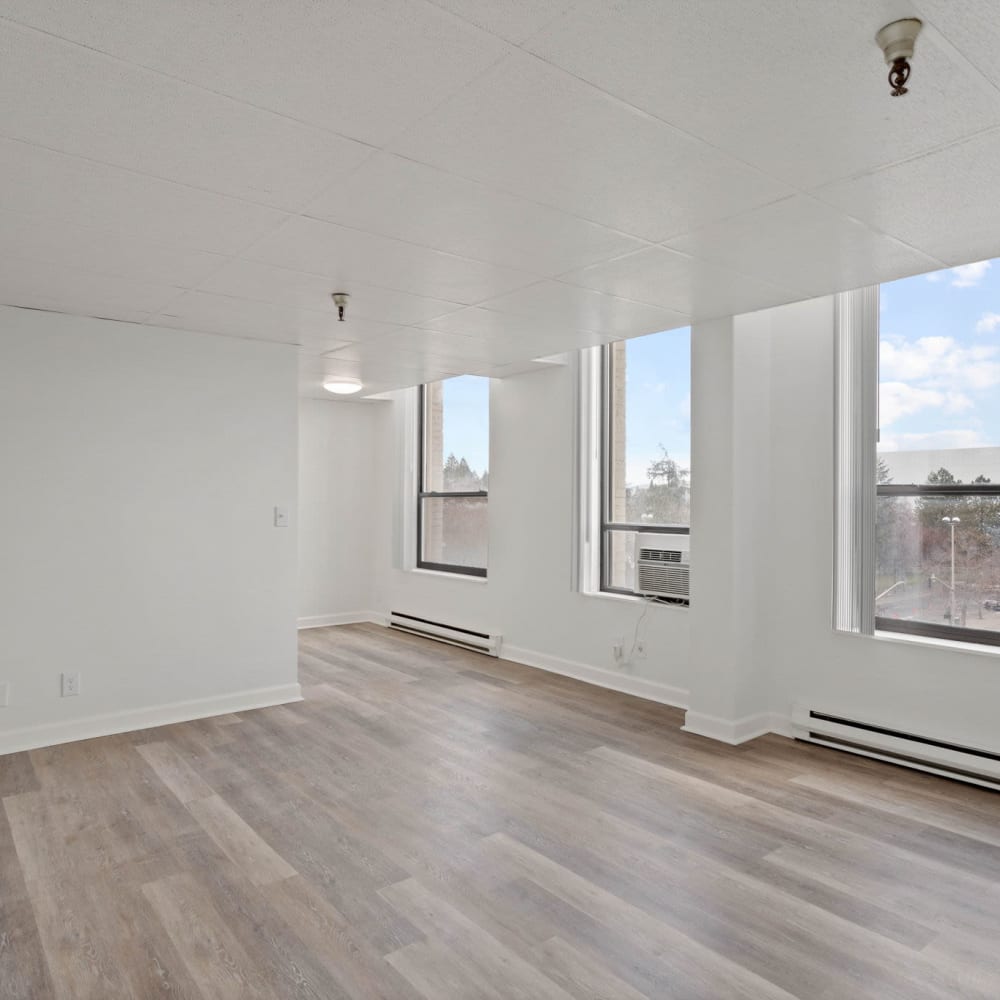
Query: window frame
424, 494
607, 526
932, 630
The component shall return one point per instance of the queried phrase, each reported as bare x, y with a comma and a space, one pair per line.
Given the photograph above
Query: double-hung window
645, 447
453, 464
937, 512
919, 456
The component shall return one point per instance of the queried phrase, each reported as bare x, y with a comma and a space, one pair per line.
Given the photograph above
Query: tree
667, 498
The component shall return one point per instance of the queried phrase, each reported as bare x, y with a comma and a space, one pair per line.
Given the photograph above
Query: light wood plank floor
433, 823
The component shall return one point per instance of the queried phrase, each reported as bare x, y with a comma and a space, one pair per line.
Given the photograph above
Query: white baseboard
342, 618
731, 731
69, 731
640, 687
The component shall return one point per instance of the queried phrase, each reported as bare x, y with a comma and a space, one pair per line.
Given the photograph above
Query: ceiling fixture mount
340, 301
343, 386
897, 41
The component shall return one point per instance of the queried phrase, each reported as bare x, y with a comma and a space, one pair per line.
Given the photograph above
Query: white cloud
899, 399
934, 441
964, 276
969, 275
988, 322
940, 363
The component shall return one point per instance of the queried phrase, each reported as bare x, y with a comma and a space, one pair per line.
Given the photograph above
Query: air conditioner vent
655, 578
660, 555
663, 565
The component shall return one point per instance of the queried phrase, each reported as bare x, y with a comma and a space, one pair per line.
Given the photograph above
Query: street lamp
952, 522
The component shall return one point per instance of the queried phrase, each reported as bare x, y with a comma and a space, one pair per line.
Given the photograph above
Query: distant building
963, 463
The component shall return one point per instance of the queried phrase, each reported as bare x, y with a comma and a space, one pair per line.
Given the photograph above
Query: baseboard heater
975, 765
479, 642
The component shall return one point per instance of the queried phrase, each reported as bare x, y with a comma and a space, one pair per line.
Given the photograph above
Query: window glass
938, 507
454, 486
647, 455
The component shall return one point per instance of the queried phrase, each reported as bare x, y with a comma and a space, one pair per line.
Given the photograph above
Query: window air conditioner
663, 566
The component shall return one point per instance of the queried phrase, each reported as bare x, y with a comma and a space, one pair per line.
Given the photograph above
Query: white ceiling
493, 181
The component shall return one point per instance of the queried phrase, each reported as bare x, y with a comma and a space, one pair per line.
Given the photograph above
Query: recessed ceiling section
492, 183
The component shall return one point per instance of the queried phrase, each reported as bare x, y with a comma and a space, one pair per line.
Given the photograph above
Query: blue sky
657, 401
467, 420
939, 359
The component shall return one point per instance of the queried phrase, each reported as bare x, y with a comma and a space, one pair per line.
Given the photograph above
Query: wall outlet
4, 694
618, 650
70, 684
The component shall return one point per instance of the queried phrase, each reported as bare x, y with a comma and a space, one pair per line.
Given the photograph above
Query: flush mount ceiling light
343, 386
897, 42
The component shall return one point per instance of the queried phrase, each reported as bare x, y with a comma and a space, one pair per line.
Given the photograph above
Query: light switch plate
281, 517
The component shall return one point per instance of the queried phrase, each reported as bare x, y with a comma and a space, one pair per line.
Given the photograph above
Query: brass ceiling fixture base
897, 41
340, 301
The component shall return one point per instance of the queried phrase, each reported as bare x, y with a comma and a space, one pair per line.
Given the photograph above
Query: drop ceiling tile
944, 203
797, 89
128, 257
532, 130
527, 336
676, 281
347, 255
569, 307
88, 104
77, 192
363, 68
201, 311
249, 279
515, 20
971, 27
413, 346
805, 246
419, 204
523, 367
79, 291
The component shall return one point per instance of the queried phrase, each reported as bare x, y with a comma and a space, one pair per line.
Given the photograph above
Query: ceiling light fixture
343, 386
340, 301
897, 42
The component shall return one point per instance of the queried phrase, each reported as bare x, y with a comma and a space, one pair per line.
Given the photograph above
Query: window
646, 447
454, 446
937, 517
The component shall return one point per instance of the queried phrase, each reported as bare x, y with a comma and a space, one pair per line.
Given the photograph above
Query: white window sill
442, 574
606, 595
975, 648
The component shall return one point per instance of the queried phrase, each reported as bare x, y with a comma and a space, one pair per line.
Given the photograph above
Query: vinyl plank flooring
434, 823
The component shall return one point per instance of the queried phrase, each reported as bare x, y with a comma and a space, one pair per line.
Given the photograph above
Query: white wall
528, 597
338, 444
140, 471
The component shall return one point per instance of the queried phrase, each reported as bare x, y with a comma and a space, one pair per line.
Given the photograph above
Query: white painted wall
338, 444
140, 471
528, 597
